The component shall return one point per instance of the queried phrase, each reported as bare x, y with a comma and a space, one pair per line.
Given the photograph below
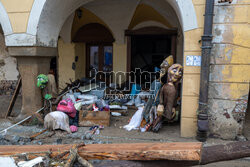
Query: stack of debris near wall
145, 154
66, 155
96, 102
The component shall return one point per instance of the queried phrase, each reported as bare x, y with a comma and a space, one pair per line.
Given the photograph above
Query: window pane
108, 58
93, 60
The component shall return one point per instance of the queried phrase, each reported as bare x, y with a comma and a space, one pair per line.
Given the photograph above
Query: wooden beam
13, 99
37, 134
230, 151
151, 31
124, 151
140, 154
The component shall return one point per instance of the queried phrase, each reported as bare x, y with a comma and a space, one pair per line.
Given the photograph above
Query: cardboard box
91, 118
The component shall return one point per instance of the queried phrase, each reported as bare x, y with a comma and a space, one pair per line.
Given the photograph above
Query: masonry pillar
31, 61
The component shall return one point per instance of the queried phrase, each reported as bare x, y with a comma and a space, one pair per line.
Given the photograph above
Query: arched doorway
99, 48
146, 25
151, 45
116, 15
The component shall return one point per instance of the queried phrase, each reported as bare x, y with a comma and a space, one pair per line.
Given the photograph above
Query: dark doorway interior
148, 52
53, 68
147, 48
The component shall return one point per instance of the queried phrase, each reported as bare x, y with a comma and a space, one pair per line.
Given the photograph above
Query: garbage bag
140, 96
135, 120
57, 120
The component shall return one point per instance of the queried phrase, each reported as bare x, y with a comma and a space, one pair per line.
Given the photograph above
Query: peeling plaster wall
230, 69
8, 70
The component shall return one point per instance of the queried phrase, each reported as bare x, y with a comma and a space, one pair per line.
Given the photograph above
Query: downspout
205, 63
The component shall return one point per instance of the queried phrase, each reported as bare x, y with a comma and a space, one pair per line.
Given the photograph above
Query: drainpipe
205, 66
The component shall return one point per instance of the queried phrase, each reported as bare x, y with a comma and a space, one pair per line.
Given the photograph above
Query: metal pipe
204, 76
206, 51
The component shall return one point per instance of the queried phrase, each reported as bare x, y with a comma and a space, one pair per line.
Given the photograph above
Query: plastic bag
135, 120
78, 106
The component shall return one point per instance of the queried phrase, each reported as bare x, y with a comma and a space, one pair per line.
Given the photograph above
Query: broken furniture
92, 118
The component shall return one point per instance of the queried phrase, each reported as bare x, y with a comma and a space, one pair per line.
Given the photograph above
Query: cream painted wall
119, 58
87, 18
80, 51
68, 51
191, 77
66, 56
18, 12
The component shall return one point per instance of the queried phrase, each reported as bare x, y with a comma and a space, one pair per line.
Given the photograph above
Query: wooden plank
143, 151
91, 118
37, 134
13, 99
125, 151
230, 151
151, 31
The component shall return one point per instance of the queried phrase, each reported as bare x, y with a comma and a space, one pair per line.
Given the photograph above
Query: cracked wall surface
8, 70
229, 69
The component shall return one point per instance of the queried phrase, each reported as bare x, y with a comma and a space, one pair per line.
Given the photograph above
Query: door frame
101, 46
150, 31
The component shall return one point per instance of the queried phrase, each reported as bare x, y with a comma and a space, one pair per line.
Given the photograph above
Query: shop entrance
99, 49
99, 58
148, 47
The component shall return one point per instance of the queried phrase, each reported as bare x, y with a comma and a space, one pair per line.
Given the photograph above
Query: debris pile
14, 140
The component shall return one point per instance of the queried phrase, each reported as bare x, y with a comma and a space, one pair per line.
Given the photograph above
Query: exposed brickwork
7, 87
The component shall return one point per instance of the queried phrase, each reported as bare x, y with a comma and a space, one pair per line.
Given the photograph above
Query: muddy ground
113, 134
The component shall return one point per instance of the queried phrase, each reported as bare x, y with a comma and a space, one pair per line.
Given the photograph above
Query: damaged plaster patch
216, 74
228, 91
239, 111
218, 29
2, 63
223, 14
8, 65
221, 122
20, 40
51, 43
227, 117
217, 53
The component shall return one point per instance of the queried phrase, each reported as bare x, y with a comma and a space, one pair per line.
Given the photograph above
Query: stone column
31, 61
